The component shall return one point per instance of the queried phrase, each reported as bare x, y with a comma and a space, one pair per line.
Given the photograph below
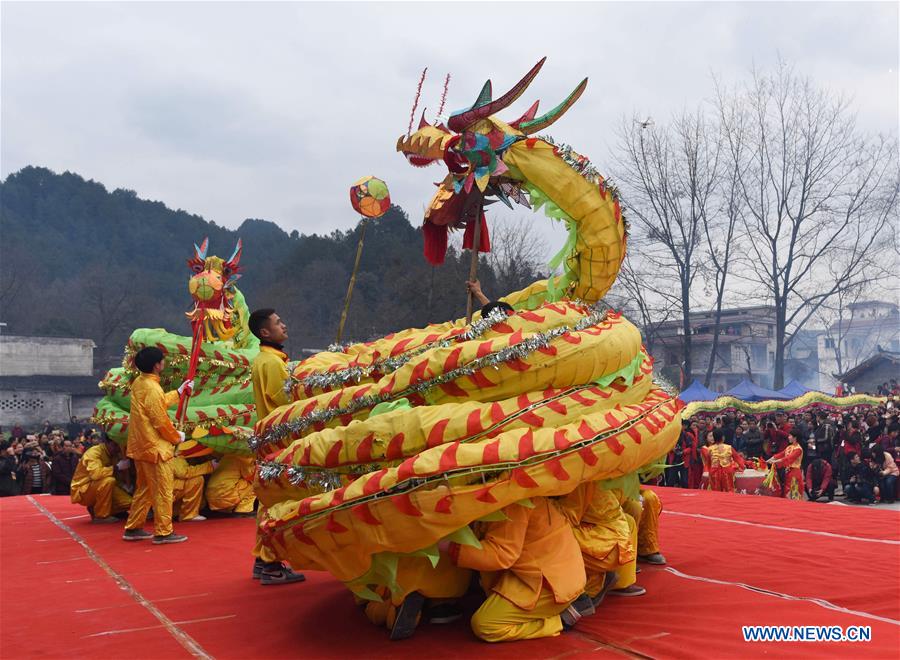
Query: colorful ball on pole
370, 197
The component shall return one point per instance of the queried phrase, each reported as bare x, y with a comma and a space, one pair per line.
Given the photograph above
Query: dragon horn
464, 118
201, 251
236, 257
528, 116
422, 122
542, 122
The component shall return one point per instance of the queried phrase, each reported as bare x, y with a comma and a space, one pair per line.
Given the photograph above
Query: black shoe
584, 605
444, 613
136, 535
609, 581
654, 558
407, 616
169, 538
280, 574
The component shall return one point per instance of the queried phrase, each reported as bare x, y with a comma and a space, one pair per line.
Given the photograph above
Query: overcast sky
236, 110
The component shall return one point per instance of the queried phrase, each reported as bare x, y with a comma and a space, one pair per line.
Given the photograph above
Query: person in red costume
790, 460
691, 455
723, 462
710, 440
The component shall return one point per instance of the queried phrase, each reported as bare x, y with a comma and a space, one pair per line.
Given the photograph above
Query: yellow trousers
646, 514
105, 497
238, 497
155, 483
498, 620
596, 569
626, 574
259, 550
188, 497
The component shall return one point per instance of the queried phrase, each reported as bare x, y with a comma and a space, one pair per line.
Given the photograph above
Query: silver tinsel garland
324, 480
518, 351
329, 380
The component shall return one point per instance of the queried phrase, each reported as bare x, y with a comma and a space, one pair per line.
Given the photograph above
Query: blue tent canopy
794, 389
747, 391
696, 391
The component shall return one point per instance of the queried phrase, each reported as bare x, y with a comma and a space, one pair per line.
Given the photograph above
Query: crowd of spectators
43, 460
851, 453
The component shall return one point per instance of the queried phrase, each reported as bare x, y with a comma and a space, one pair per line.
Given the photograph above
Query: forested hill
78, 260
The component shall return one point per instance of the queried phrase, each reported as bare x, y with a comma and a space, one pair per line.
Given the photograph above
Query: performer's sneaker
169, 538
194, 519
609, 581
656, 559
407, 616
136, 535
258, 566
444, 613
279, 575
633, 590
103, 521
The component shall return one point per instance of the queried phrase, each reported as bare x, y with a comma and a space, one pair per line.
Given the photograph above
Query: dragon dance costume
462, 432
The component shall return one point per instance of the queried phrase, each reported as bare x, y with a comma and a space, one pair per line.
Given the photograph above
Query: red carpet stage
74, 589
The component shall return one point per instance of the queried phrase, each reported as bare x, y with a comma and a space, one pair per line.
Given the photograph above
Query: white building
846, 343
46, 378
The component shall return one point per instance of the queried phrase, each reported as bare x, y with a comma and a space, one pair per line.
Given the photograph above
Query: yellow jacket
269, 373
234, 474
151, 434
182, 470
94, 465
534, 545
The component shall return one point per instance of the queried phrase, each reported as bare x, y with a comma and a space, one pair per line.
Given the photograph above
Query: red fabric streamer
435, 242
484, 244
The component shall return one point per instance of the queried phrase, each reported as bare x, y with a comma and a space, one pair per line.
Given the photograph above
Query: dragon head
471, 145
212, 287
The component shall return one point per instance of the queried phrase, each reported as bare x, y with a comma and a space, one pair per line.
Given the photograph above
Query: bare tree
719, 230
815, 192
637, 292
516, 253
669, 177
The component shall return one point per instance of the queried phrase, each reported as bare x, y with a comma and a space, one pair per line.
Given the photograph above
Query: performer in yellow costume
420, 581
94, 483
531, 570
151, 444
269, 374
188, 489
607, 537
230, 486
645, 512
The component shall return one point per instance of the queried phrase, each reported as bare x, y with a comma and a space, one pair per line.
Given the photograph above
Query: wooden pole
473, 261
359, 247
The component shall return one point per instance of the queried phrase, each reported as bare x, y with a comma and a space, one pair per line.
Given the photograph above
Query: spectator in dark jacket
753, 440
63, 467
861, 484
819, 482
8, 463
34, 473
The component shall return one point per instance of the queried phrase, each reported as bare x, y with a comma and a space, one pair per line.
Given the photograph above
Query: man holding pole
269, 373
151, 444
